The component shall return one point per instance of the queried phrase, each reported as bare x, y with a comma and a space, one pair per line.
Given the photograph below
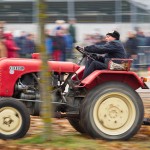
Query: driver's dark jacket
113, 49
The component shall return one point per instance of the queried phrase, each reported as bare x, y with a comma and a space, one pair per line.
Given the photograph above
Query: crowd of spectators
60, 40
14, 47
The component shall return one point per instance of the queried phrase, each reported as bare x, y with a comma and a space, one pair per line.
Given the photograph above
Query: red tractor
103, 105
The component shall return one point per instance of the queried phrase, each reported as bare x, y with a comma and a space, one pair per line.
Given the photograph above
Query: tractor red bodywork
12, 69
101, 76
73, 98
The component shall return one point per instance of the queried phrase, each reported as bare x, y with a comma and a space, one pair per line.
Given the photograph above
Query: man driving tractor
112, 49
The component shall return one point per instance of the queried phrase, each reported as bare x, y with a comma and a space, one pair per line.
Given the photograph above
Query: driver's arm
101, 49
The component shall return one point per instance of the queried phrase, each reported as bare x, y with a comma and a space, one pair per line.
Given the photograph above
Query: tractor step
146, 121
66, 115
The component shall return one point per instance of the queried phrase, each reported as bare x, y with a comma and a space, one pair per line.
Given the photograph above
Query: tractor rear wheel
14, 119
75, 123
112, 111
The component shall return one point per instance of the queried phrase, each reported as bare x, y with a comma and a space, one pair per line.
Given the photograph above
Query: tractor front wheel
14, 119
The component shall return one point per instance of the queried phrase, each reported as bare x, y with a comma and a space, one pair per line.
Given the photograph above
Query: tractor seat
120, 64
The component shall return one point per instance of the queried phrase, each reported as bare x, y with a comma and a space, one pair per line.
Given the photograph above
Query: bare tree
45, 87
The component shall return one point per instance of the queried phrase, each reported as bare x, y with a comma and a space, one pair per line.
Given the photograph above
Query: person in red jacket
10, 45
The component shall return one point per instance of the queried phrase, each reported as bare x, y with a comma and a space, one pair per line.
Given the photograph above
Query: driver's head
111, 36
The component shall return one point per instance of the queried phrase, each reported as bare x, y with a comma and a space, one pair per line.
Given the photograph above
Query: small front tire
14, 119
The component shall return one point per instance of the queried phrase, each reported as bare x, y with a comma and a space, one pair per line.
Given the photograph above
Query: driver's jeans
92, 65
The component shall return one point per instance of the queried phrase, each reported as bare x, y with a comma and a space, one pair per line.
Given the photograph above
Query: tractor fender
101, 76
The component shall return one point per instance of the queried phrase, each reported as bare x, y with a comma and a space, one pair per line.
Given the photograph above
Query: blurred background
82, 22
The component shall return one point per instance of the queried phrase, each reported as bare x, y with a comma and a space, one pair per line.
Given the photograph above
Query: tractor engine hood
34, 65
60, 66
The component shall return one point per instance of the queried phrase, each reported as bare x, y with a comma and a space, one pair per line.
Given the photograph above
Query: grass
71, 142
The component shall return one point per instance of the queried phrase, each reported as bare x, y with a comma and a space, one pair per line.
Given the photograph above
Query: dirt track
146, 101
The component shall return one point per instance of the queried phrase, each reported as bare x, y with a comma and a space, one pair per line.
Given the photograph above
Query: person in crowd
147, 49
69, 44
49, 43
148, 39
21, 42
88, 40
2, 26
30, 45
59, 26
72, 29
3, 50
140, 37
11, 46
131, 45
113, 49
59, 45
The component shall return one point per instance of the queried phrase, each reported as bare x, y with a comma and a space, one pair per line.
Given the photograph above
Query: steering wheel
86, 54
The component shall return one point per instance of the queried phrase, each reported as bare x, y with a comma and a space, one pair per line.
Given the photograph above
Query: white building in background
92, 16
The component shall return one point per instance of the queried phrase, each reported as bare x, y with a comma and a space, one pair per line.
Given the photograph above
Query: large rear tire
112, 111
75, 123
14, 119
